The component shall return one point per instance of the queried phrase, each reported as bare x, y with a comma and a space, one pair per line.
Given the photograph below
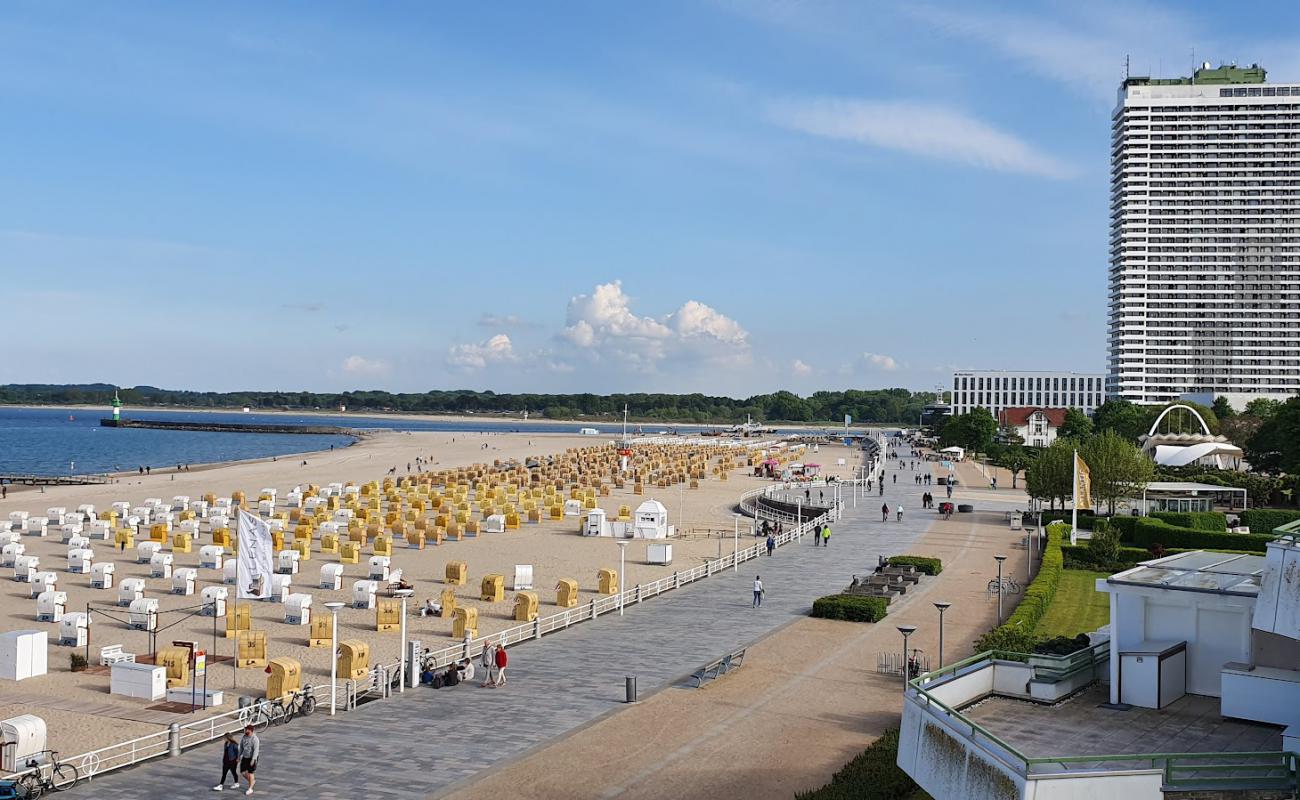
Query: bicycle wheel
277, 714
308, 705
32, 786
994, 586
64, 776
1012, 586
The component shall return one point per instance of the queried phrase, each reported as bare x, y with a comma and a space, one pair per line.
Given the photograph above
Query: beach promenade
427, 742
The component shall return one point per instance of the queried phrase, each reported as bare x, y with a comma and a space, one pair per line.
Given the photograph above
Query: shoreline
443, 417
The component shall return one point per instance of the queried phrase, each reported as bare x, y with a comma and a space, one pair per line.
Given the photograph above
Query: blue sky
726, 197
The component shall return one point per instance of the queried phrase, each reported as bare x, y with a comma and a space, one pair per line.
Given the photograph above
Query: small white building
1037, 427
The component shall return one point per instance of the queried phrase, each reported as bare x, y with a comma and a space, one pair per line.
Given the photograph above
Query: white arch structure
1205, 429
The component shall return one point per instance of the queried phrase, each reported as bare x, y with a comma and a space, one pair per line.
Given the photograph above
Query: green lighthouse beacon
117, 408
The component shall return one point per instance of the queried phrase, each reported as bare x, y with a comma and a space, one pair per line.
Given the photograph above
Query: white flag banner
256, 564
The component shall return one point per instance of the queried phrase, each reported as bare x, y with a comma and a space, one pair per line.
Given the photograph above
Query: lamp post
1000, 559
622, 585
907, 631
334, 607
735, 538
405, 594
798, 516
942, 608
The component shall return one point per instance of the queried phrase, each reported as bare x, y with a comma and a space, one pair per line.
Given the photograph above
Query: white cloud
361, 366
603, 326
880, 362
487, 320
798, 367
924, 130
496, 350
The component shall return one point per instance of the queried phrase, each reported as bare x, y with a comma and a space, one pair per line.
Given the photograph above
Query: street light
1000, 559
334, 606
942, 608
907, 631
405, 594
622, 585
735, 537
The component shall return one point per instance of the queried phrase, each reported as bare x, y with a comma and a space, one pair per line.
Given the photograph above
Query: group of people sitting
453, 675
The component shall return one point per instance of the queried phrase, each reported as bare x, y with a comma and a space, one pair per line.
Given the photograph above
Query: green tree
1118, 468
1014, 458
1050, 477
1275, 447
1222, 408
1123, 417
973, 431
1262, 408
1077, 425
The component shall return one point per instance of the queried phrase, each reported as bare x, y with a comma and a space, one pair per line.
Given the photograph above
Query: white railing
180, 736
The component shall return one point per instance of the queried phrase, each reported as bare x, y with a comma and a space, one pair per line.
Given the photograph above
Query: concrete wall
1216, 628
945, 763
1143, 785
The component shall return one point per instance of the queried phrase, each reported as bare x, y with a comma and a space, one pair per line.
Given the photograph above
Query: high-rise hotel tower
1205, 238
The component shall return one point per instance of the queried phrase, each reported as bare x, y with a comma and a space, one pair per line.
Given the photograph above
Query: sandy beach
80, 712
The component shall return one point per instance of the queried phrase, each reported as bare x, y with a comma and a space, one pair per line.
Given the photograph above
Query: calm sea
50, 441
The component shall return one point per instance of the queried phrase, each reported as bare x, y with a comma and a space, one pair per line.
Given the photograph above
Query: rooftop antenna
1126, 72
1193, 66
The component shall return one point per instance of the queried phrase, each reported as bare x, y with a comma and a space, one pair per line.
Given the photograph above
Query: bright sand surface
82, 715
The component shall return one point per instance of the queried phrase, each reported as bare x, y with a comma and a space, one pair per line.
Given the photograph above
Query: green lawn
1077, 607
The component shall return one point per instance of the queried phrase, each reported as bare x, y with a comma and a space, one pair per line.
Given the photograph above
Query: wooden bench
112, 654
719, 667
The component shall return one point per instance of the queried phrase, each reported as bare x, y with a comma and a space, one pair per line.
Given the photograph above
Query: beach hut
68, 530
76, 542
214, 600
288, 562
145, 551
228, 570
331, 576
211, 556
279, 588
50, 606
25, 568
81, 560
130, 590
44, 581
24, 737
566, 593
363, 594
495, 523
100, 529
74, 629
596, 524
36, 526
297, 609
142, 615
102, 575
184, 580
160, 566
651, 521
379, 567
10, 552
353, 660
18, 520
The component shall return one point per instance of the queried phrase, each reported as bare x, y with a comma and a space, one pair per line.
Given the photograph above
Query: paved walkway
429, 740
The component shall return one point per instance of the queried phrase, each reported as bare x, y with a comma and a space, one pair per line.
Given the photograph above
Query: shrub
1199, 520
1102, 525
1104, 546
78, 662
1264, 520
1149, 531
1062, 645
1086, 518
930, 566
1125, 526
851, 607
873, 774
1017, 633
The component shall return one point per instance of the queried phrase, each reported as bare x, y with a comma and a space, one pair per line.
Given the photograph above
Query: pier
227, 427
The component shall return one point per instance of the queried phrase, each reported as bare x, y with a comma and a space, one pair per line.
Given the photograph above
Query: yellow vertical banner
1082, 483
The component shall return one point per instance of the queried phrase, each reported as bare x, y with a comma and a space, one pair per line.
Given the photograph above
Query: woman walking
229, 764
501, 661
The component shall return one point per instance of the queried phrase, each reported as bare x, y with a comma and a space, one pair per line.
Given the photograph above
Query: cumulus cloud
359, 365
924, 130
604, 325
496, 350
798, 367
880, 361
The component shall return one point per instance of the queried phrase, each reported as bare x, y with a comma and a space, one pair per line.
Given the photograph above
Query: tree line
899, 406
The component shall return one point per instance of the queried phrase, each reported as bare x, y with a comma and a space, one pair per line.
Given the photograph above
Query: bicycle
48, 774
1008, 586
301, 702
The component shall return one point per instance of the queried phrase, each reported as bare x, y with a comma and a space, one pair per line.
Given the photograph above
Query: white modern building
999, 389
1205, 238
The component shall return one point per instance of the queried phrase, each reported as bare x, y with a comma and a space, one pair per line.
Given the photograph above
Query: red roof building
1036, 426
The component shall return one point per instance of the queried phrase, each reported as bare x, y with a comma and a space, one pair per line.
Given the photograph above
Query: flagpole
1074, 511
234, 608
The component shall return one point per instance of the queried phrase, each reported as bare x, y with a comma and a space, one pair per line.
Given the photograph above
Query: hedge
873, 774
1264, 520
1215, 521
1148, 531
1017, 633
1080, 557
930, 566
1085, 518
851, 607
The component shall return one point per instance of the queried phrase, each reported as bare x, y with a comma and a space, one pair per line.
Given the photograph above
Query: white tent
957, 453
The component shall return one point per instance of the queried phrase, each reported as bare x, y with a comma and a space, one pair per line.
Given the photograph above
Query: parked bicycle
1008, 586
47, 774
265, 713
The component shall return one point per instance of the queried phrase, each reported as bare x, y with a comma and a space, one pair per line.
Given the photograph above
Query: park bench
716, 668
112, 654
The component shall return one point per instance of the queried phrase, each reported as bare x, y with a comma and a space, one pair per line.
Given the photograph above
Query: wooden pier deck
53, 480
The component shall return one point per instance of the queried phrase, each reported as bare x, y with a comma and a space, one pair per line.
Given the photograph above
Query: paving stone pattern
425, 741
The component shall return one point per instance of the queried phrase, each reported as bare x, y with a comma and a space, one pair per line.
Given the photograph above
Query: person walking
949, 490
771, 544
758, 591
229, 764
501, 661
250, 747
489, 662
826, 536
884, 512
900, 512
